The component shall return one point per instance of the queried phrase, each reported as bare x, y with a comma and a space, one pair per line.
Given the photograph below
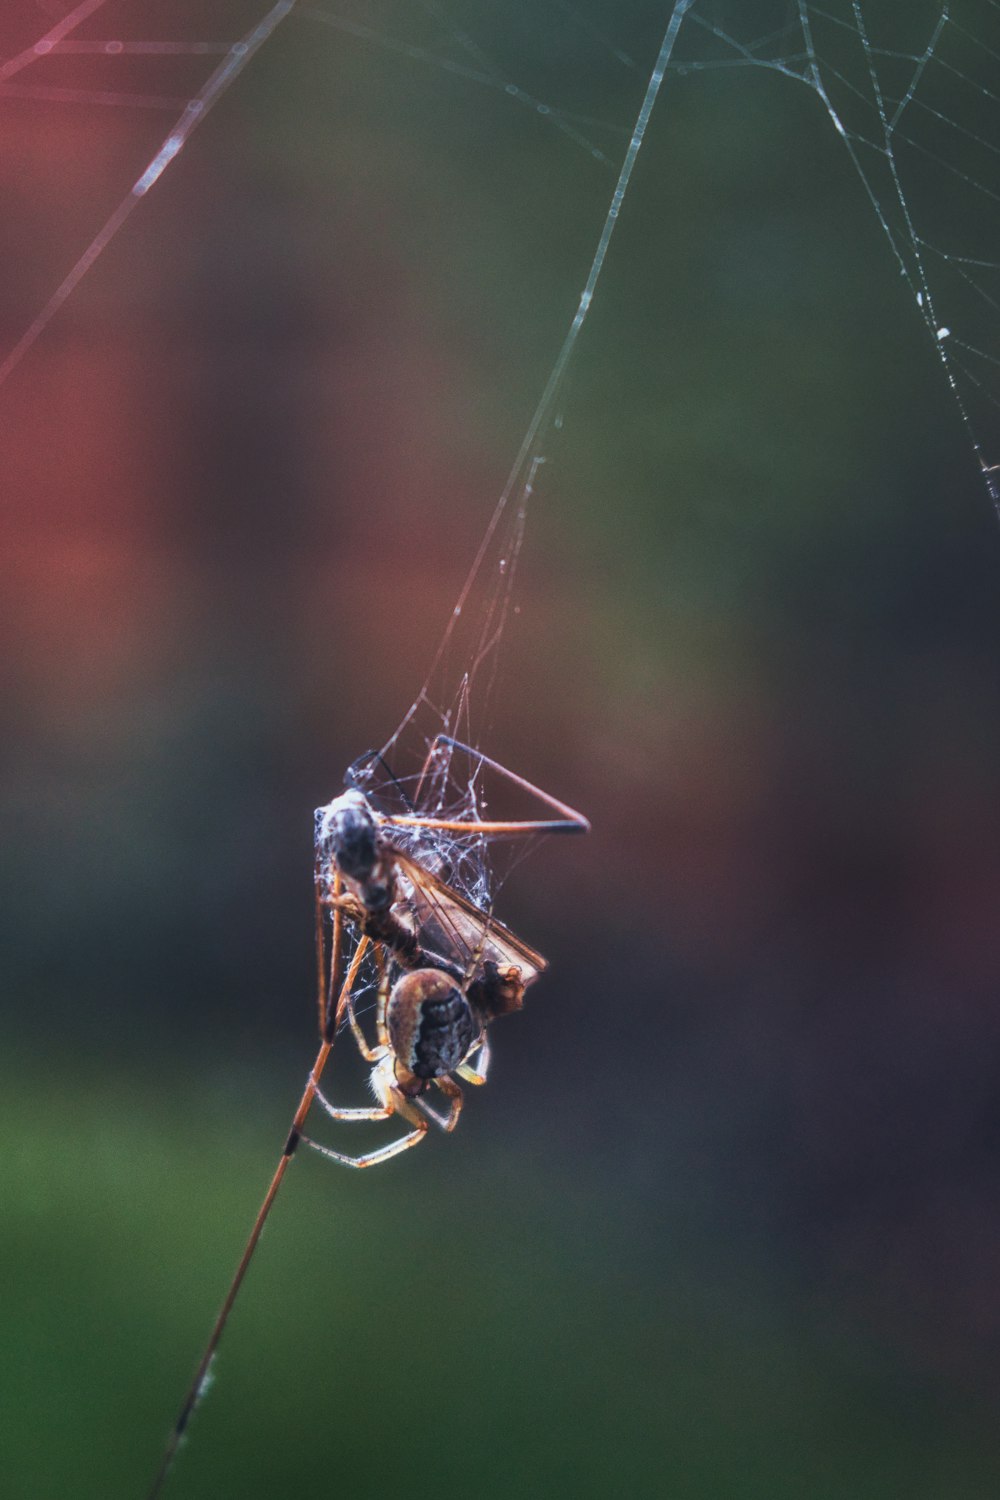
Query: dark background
725, 1221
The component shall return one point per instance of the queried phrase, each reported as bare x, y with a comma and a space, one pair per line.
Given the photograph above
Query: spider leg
370, 1054
338, 1112
451, 1091
396, 1103
475, 1072
374, 1055
371, 1158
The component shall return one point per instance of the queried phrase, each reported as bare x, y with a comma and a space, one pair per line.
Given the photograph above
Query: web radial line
918, 72
547, 398
930, 315
485, 73
46, 43
598, 36
193, 113
141, 49
466, 42
108, 97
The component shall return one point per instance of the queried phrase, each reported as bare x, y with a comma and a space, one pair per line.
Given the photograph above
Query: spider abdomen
432, 1027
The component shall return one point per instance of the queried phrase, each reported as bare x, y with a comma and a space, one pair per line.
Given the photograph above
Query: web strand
191, 116
910, 93
527, 457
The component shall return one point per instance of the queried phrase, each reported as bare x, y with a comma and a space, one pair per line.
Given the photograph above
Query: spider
429, 1029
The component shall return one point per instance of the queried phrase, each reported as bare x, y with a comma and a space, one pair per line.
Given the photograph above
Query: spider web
909, 91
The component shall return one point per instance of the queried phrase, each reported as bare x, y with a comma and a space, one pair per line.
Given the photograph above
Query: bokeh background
725, 1221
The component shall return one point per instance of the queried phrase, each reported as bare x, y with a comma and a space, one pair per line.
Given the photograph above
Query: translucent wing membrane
449, 925
409, 862
439, 829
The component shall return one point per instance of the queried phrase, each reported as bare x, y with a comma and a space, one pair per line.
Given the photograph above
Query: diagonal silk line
194, 111
48, 41
547, 399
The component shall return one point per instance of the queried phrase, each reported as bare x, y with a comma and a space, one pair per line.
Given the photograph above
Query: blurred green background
725, 1221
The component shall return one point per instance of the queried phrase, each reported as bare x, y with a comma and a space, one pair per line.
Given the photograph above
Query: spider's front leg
381, 1111
341, 1112
374, 1055
381, 1077
394, 1102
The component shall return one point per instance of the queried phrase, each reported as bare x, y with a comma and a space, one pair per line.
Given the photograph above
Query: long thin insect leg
569, 821
512, 829
326, 989
198, 1383
351, 778
295, 1135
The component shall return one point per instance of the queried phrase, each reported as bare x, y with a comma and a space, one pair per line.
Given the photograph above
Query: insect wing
450, 925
